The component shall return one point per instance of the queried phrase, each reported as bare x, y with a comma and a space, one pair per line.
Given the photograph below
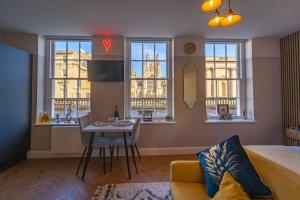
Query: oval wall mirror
190, 84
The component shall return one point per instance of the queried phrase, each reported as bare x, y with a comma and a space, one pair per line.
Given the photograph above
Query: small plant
168, 118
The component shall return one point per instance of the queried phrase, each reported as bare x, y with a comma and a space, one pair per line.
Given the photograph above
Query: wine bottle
116, 112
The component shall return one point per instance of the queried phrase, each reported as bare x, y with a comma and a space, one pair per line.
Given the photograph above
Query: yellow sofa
187, 179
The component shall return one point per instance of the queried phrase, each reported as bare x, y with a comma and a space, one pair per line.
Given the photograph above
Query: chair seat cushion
188, 191
101, 141
119, 141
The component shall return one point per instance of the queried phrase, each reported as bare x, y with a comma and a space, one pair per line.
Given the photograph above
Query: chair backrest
84, 121
136, 130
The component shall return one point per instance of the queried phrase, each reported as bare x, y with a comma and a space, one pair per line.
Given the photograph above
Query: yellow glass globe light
216, 20
211, 5
231, 18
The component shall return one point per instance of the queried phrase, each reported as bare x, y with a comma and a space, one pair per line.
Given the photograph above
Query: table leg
89, 154
126, 152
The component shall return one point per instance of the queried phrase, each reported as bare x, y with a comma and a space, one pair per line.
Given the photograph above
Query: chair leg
104, 165
133, 157
118, 148
137, 150
81, 159
111, 156
100, 152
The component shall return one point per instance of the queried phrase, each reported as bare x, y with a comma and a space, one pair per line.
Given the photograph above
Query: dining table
110, 128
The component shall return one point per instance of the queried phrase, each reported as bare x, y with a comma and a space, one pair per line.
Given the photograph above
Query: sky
74, 45
146, 51
220, 50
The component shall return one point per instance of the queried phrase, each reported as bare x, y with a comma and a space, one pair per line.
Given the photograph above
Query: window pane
136, 69
161, 51
234, 88
60, 70
222, 88
58, 88
161, 89
83, 107
220, 70
234, 106
136, 90
136, 51
57, 106
232, 71
220, 52
84, 89
209, 69
211, 107
136, 107
210, 88
161, 69
149, 104
73, 69
148, 51
149, 69
71, 103
73, 50
83, 69
209, 52
161, 108
231, 52
60, 48
71, 89
149, 88
86, 50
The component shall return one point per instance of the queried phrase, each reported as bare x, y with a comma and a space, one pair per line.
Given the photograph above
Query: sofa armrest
186, 171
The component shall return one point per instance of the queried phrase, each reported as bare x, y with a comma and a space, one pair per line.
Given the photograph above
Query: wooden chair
100, 142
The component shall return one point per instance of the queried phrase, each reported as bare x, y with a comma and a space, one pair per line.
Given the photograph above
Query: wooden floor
55, 178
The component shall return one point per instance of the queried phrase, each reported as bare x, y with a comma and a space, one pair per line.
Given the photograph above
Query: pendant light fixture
216, 20
230, 18
211, 5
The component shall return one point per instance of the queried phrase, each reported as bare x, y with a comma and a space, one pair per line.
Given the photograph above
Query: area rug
133, 191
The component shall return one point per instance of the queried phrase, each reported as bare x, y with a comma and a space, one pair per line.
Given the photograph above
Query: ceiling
146, 18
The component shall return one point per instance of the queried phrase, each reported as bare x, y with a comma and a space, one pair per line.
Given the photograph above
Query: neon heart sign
106, 44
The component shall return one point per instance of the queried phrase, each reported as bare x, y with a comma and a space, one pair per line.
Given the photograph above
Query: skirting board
143, 151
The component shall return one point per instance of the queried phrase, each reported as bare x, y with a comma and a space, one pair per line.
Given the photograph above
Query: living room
132, 95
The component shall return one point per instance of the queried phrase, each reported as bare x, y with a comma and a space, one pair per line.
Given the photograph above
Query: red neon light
106, 44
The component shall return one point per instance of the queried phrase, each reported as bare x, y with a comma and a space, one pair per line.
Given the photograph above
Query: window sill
72, 123
234, 121
159, 121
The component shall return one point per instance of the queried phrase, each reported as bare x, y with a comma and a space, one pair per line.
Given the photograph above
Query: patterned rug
133, 191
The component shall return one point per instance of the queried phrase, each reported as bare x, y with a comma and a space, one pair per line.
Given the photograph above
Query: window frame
169, 79
50, 62
241, 62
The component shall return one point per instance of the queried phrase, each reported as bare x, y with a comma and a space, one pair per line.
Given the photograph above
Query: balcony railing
211, 103
148, 103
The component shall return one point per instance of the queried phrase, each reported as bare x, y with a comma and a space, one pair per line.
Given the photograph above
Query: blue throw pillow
230, 156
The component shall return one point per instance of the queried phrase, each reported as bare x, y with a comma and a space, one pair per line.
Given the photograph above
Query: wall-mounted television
105, 70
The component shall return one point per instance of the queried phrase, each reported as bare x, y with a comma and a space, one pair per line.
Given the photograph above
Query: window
69, 86
149, 78
224, 77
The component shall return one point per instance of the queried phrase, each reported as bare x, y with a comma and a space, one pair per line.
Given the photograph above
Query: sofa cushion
230, 156
188, 191
230, 189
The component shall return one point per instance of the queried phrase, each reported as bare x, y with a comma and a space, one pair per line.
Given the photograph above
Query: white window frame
49, 67
241, 72
170, 75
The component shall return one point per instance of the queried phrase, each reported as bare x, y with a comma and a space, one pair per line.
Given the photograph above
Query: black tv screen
105, 70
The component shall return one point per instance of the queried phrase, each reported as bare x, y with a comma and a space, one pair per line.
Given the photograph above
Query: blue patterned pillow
230, 156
